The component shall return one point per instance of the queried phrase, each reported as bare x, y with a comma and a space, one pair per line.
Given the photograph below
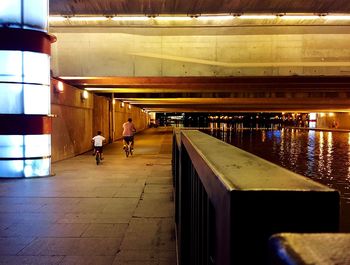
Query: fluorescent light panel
132, 18
88, 18
334, 17
257, 17
291, 17
173, 18
227, 17
203, 17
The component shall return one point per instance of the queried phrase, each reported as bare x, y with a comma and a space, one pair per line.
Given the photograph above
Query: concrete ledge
316, 249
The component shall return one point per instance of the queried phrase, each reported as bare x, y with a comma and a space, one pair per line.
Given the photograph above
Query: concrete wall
140, 118
77, 121
254, 51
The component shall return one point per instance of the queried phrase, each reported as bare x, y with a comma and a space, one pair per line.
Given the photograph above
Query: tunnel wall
76, 121
340, 119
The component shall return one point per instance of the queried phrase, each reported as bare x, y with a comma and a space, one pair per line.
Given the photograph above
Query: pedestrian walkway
120, 212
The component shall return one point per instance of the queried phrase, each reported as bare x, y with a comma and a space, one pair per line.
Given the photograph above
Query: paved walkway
117, 213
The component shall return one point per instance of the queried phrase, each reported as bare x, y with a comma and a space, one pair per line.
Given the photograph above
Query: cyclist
128, 133
98, 142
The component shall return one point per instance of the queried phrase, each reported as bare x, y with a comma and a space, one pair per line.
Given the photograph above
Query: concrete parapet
302, 249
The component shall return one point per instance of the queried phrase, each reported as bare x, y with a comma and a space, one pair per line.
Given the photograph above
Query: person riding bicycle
128, 133
98, 141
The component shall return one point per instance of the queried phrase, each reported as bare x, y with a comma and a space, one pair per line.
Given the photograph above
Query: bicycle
128, 148
98, 157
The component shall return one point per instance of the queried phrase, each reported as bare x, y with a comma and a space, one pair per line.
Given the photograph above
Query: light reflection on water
320, 155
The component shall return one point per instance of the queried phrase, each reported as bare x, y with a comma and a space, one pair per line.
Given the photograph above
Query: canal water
323, 156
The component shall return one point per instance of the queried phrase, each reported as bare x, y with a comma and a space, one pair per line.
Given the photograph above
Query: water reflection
321, 156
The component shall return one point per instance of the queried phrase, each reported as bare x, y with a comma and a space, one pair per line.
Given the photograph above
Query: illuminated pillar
25, 127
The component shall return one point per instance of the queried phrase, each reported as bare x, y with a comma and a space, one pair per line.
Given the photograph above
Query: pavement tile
13, 245
88, 214
44, 230
105, 230
84, 260
72, 247
30, 260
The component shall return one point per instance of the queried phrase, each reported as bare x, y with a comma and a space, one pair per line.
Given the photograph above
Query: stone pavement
117, 213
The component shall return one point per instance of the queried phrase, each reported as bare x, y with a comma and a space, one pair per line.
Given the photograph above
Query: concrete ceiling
213, 94
225, 94
125, 7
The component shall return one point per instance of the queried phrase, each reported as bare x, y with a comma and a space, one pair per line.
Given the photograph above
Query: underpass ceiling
127, 7
206, 94
224, 94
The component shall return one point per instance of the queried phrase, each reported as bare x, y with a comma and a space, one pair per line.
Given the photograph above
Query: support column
25, 125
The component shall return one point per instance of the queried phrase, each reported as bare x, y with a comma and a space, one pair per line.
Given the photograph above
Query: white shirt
98, 140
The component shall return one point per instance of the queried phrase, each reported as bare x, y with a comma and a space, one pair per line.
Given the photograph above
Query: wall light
84, 95
113, 101
129, 106
59, 87
122, 104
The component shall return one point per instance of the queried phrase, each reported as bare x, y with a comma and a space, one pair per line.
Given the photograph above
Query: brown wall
341, 118
76, 121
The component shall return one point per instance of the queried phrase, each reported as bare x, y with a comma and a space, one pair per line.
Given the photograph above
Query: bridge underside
224, 94
187, 62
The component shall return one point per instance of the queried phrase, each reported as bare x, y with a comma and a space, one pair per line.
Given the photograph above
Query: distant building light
312, 116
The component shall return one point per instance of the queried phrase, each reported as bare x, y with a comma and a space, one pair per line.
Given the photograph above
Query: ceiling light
173, 18
257, 17
226, 17
299, 17
57, 19
88, 18
132, 18
340, 17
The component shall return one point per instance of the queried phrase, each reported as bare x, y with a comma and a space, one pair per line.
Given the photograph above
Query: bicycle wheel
98, 158
127, 151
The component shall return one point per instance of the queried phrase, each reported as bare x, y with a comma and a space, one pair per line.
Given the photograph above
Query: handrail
228, 202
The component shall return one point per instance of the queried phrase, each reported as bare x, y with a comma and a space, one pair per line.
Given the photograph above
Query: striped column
25, 126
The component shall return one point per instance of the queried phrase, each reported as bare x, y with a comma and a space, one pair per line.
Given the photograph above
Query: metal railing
229, 202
